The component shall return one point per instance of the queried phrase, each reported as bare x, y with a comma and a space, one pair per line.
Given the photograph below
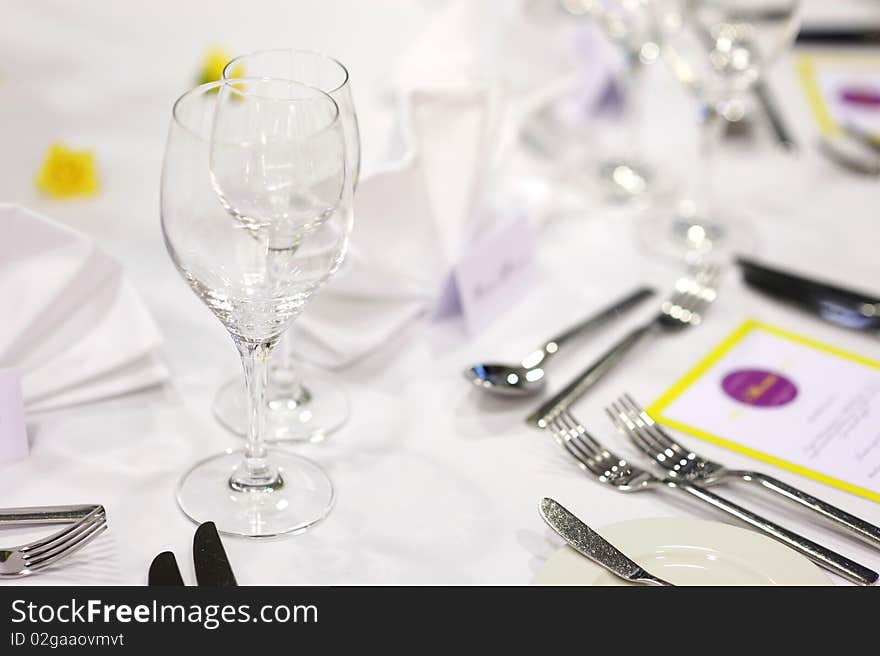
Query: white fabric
75, 327
435, 484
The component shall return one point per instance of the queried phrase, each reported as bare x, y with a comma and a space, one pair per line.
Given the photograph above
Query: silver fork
615, 471
34, 556
683, 464
684, 308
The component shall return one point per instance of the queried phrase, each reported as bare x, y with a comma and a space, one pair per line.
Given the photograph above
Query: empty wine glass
303, 404
718, 49
256, 215
625, 172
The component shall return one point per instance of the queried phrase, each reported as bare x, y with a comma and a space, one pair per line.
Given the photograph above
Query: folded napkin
412, 221
74, 326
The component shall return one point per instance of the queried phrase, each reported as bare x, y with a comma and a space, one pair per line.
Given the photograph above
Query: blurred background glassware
303, 403
594, 129
626, 173
256, 215
718, 49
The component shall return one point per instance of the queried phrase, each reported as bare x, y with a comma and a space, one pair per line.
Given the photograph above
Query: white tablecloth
435, 483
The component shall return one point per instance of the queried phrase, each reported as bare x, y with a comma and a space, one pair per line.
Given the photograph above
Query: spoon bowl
506, 379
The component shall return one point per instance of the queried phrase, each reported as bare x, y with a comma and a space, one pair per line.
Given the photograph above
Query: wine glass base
625, 179
303, 498
322, 410
677, 235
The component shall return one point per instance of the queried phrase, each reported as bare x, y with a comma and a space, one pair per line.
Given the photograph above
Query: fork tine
563, 436
619, 417
69, 537
660, 435
60, 534
590, 444
664, 446
72, 547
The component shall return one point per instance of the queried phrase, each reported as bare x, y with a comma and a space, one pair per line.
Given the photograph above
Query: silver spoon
527, 377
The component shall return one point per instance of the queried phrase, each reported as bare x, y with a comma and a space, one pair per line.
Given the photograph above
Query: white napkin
74, 325
411, 221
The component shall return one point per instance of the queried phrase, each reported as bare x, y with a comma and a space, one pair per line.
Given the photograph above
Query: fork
34, 556
684, 308
683, 464
624, 476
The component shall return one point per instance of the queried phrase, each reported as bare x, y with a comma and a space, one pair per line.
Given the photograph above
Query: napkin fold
412, 220
75, 327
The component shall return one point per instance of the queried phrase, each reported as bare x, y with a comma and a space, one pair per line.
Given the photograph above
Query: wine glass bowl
256, 215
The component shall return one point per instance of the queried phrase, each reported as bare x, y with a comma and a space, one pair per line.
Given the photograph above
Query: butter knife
588, 543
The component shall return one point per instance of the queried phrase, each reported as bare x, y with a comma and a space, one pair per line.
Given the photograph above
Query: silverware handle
603, 316
777, 124
820, 555
590, 376
865, 530
44, 514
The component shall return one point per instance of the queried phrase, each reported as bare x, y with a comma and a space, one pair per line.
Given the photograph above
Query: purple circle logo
759, 387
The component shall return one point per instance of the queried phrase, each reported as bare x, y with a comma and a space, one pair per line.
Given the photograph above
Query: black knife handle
164, 571
209, 558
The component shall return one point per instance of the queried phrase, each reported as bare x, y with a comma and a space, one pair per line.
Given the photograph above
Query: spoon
527, 377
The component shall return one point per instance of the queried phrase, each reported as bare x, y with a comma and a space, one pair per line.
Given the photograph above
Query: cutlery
839, 36
32, 515
209, 558
588, 543
850, 154
774, 117
39, 554
624, 476
843, 307
692, 295
682, 464
527, 377
164, 571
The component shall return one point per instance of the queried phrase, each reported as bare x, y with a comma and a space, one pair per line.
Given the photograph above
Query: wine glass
256, 215
718, 49
626, 173
302, 403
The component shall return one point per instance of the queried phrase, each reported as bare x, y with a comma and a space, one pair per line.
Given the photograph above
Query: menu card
842, 88
787, 399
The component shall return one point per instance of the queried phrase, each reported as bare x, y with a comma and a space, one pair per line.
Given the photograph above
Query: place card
786, 399
13, 436
491, 276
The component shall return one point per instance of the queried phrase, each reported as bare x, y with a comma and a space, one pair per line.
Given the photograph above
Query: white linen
75, 327
434, 483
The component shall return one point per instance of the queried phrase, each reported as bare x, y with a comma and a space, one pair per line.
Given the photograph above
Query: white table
434, 484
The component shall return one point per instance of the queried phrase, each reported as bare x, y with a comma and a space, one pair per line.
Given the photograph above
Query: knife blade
209, 558
588, 543
842, 307
164, 571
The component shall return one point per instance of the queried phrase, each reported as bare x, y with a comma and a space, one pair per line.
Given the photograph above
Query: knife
164, 570
588, 543
209, 558
842, 307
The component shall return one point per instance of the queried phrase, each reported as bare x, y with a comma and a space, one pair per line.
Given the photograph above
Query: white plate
688, 552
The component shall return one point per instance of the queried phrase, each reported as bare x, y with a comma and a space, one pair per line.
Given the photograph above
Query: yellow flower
213, 64
66, 172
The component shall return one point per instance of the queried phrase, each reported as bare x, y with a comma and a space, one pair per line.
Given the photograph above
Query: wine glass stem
255, 473
285, 382
634, 105
710, 133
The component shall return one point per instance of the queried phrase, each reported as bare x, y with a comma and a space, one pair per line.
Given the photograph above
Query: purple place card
13, 436
492, 275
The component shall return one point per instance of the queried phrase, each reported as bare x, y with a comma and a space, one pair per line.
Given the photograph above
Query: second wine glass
303, 404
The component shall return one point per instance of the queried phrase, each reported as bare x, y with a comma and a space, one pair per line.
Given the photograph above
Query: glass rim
208, 87
299, 51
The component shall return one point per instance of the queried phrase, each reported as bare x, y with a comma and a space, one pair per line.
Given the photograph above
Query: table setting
534, 292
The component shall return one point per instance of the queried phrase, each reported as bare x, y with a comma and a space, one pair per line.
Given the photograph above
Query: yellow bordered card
842, 87
786, 399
